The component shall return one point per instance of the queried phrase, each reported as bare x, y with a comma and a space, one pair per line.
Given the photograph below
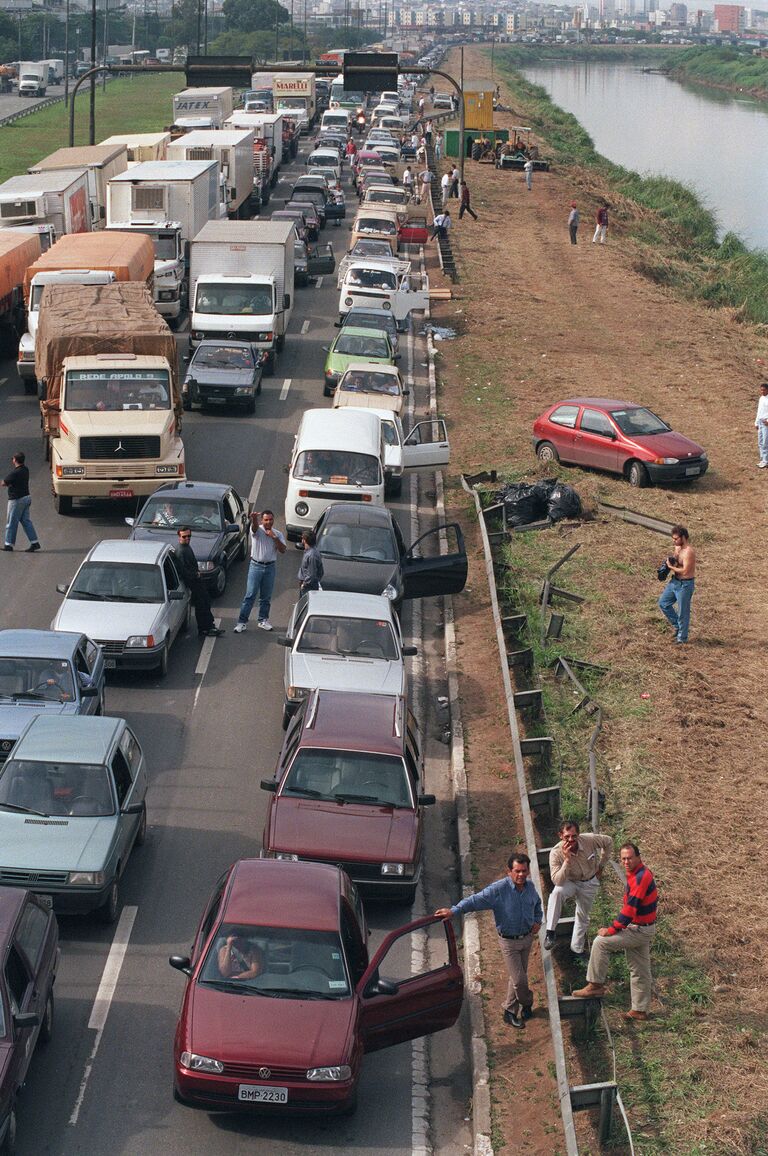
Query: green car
354, 344
72, 806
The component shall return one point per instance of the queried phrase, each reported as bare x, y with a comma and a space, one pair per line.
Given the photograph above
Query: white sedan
131, 599
342, 641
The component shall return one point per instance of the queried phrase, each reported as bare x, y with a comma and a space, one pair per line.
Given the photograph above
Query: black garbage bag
523, 504
563, 502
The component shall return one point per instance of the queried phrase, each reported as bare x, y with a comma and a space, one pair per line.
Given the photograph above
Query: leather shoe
511, 1018
9, 549
526, 1012
215, 633
549, 940
33, 548
591, 991
635, 1015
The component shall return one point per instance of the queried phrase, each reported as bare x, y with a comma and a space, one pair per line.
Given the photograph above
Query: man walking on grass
761, 425
632, 931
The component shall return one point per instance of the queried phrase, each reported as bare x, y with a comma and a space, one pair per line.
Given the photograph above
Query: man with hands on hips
266, 544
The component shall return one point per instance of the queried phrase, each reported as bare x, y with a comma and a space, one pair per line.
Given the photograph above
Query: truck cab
170, 265
241, 307
25, 365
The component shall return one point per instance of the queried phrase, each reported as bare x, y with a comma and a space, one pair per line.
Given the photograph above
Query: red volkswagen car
282, 1000
617, 436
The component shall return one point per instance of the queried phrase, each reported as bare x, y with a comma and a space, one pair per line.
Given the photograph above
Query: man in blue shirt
517, 910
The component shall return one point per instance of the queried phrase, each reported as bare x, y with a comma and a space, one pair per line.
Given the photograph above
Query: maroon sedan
282, 1000
617, 436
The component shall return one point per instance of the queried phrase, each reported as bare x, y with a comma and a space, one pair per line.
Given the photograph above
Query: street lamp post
92, 93
66, 55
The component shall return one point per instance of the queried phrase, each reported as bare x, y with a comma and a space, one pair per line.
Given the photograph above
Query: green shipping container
451, 138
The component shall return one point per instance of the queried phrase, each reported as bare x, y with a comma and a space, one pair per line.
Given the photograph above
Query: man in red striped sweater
632, 931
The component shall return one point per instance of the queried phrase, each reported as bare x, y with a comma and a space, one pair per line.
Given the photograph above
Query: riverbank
723, 68
540, 319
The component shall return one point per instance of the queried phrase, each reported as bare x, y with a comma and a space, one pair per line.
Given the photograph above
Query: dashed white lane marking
304, 328
206, 650
286, 387
319, 283
253, 493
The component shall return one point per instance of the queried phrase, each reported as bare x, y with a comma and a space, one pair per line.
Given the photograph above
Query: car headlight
283, 856
206, 567
335, 1072
264, 336
667, 461
704, 458
139, 641
347, 300
393, 868
297, 693
197, 1063
390, 592
243, 391
168, 469
86, 879
302, 509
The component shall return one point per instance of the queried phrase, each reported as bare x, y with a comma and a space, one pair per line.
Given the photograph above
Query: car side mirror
130, 521
62, 587
187, 357
284, 640
89, 692
385, 987
427, 800
269, 785
397, 357
26, 1019
232, 528
406, 393
326, 348
181, 963
337, 325
133, 809
176, 595
409, 651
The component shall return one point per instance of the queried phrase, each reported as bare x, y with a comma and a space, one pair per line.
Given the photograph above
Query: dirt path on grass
539, 320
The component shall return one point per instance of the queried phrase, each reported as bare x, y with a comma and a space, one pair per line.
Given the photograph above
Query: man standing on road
761, 425
19, 501
311, 569
465, 206
632, 931
675, 601
454, 182
425, 183
266, 544
575, 867
601, 224
408, 181
185, 556
573, 222
516, 907
445, 188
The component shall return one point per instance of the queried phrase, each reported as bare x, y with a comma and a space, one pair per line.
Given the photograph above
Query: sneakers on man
762, 465
33, 548
549, 940
263, 624
241, 628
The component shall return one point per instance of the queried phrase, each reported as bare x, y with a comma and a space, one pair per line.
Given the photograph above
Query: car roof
38, 643
67, 738
126, 550
600, 402
372, 366
357, 514
373, 314
354, 721
320, 429
355, 331
280, 893
199, 490
347, 604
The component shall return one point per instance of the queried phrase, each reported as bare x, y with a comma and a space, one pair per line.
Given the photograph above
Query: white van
338, 456
382, 284
336, 118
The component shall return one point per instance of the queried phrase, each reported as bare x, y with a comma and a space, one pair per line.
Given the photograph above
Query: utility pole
92, 93
66, 56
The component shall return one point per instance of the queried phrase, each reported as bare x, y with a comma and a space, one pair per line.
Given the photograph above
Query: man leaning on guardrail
575, 867
632, 931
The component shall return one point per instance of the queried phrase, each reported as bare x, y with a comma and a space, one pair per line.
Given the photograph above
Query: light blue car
72, 806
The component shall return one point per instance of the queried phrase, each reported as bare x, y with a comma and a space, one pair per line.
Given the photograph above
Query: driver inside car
239, 958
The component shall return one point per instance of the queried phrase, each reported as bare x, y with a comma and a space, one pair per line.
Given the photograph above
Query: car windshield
45, 788
349, 637
222, 357
367, 247
239, 299
372, 278
363, 543
638, 422
376, 225
168, 513
346, 776
363, 346
117, 582
88, 389
340, 467
380, 320
390, 195
361, 381
36, 679
283, 962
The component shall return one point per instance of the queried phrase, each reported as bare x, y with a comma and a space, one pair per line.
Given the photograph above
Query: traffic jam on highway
281, 781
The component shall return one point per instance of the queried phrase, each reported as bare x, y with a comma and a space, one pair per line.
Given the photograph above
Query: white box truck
102, 162
142, 146
202, 107
294, 93
170, 201
241, 284
33, 78
232, 149
59, 199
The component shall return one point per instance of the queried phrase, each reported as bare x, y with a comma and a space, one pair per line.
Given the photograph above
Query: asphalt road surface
211, 730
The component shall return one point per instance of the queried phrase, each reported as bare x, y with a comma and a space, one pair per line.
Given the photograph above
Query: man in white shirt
408, 181
445, 187
266, 544
761, 425
425, 182
442, 224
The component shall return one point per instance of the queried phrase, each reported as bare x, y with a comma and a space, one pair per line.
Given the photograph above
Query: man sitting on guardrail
632, 931
575, 867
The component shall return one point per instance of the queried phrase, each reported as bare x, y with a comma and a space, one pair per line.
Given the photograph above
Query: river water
713, 142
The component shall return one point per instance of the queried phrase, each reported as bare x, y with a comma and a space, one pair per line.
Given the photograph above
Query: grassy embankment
720, 68
140, 104
676, 235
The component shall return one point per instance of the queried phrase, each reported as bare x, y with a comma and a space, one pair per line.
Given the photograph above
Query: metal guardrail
45, 102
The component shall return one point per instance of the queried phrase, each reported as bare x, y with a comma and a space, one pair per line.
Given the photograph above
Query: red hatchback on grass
617, 436
282, 1000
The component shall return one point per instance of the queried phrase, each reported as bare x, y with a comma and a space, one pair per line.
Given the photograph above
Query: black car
371, 319
316, 197
217, 516
223, 373
335, 210
363, 551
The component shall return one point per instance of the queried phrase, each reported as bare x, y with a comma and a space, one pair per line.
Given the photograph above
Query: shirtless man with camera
675, 601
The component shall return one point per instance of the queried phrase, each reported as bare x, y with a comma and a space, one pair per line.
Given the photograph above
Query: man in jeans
266, 544
19, 501
675, 601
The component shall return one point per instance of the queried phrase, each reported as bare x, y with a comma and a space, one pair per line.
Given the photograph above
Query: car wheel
269, 365
221, 583
327, 392
62, 504
250, 406
258, 389
46, 1027
9, 1144
162, 666
107, 913
637, 475
141, 834
395, 487
30, 385
186, 402
178, 1096
546, 452
286, 718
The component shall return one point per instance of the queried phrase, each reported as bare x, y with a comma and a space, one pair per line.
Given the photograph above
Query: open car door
426, 572
407, 299
320, 260
400, 1006
427, 445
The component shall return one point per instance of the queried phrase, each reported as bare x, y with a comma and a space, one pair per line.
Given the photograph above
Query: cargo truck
33, 78
17, 253
202, 107
111, 406
170, 201
142, 146
101, 162
81, 259
232, 149
241, 284
58, 199
294, 93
